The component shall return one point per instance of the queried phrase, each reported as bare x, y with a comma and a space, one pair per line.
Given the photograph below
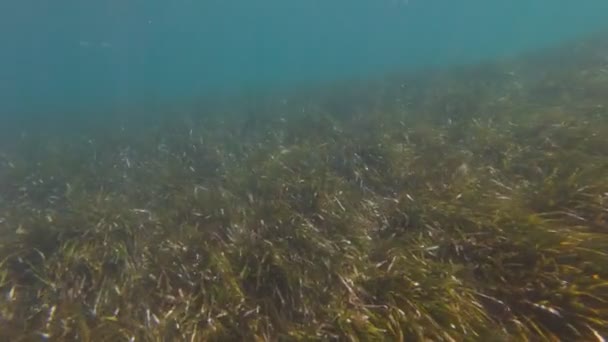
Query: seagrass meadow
461, 204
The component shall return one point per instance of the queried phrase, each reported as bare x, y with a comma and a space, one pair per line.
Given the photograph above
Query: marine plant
462, 205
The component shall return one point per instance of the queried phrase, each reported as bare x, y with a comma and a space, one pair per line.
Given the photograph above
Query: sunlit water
65, 55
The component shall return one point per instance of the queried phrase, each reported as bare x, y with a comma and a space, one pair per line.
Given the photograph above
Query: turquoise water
72, 55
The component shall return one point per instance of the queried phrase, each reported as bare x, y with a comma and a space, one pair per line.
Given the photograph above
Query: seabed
465, 204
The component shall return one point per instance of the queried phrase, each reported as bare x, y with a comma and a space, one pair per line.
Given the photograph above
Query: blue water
81, 54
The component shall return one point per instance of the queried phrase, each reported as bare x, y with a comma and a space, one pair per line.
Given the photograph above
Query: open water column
74, 55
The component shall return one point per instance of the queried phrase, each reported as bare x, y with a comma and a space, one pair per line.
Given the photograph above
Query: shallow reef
465, 204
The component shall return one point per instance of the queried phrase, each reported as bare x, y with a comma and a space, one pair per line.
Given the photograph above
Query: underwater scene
387, 170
